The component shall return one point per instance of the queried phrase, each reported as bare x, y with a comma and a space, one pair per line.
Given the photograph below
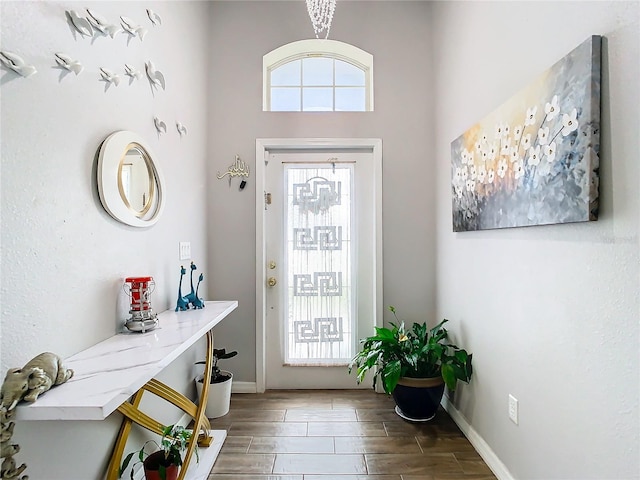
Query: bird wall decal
66, 62
161, 127
154, 17
109, 76
132, 28
132, 72
100, 24
81, 24
155, 76
17, 64
182, 130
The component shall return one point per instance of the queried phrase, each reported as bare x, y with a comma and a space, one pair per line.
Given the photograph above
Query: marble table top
108, 373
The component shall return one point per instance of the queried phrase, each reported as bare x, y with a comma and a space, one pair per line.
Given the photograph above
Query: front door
321, 264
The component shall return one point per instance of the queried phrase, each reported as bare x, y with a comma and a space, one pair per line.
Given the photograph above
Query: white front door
321, 239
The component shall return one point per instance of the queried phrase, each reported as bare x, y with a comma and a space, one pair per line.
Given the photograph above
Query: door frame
263, 146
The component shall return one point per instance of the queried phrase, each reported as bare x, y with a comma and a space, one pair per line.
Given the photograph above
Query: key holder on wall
237, 169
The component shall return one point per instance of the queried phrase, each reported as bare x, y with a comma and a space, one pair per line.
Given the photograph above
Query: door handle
272, 281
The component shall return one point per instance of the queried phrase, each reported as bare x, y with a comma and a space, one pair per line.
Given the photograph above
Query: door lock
272, 281
272, 265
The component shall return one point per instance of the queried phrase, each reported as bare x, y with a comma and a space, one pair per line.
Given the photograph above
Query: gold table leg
132, 414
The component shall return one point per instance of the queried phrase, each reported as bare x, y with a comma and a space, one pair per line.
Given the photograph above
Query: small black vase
418, 399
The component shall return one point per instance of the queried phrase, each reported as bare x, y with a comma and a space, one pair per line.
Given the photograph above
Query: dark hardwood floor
339, 435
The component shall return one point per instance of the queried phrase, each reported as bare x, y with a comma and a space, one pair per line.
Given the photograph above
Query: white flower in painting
543, 135
493, 151
457, 177
470, 156
517, 131
505, 130
499, 131
551, 109
458, 191
506, 145
526, 142
519, 169
534, 156
465, 156
471, 185
472, 172
531, 116
484, 138
478, 146
550, 152
464, 174
485, 156
502, 168
514, 155
491, 175
569, 122
482, 174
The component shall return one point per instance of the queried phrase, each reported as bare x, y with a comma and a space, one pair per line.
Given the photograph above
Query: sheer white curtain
319, 257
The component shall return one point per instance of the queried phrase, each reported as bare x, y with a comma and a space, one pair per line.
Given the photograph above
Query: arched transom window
317, 75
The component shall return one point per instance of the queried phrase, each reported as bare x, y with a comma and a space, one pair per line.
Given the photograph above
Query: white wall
64, 258
551, 313
396, 34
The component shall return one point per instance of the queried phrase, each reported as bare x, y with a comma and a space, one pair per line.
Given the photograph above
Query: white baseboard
243, 387
484, 450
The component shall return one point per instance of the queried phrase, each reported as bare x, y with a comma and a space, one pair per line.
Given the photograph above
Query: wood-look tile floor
338, 435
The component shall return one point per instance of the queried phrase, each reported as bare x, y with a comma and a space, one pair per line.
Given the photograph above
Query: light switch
185, 250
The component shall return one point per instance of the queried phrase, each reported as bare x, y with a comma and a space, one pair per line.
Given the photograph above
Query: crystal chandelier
321, 14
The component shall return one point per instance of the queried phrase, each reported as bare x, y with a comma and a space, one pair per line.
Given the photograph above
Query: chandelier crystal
321, 14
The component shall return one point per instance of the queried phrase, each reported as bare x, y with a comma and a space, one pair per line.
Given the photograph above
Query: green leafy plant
175, 440
421, 352
219, 354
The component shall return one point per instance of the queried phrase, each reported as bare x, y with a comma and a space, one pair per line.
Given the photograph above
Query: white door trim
263, 146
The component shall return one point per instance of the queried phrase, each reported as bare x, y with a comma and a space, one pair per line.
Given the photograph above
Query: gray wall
64, 259
397, 35
551, 313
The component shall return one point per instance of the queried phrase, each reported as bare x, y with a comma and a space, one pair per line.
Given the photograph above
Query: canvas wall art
534, 160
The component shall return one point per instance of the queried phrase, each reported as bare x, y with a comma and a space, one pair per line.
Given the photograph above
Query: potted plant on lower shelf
413, 365
219, 385
164, 463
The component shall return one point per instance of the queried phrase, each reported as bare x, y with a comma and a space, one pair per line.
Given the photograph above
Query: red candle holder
142, 317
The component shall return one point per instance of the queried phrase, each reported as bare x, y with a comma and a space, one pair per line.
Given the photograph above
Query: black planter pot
418, 399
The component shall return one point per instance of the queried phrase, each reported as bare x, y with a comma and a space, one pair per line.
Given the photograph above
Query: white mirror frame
110, 155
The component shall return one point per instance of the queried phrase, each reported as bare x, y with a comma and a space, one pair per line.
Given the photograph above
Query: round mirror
130, 183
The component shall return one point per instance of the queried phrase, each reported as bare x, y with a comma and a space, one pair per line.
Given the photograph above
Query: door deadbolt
272, 265
272, 281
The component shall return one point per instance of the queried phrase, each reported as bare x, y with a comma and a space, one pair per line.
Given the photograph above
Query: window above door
317, 76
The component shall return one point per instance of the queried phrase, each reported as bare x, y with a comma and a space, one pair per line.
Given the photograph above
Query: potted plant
413, 365
219, 385
164, 463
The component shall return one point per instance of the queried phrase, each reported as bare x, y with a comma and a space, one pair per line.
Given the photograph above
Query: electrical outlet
185, 250
513, 409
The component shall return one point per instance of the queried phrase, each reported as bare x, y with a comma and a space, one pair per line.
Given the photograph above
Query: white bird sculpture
81, 24
132, 72
182, 130
155, 76
110, 77
132, 29
100, 24
161, 127
66, 62
17, 64
154, 17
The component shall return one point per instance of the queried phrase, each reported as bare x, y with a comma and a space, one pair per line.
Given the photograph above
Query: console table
114, 375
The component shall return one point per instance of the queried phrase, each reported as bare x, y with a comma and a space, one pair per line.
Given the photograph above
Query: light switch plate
185, 250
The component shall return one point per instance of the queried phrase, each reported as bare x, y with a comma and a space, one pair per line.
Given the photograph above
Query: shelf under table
109, 373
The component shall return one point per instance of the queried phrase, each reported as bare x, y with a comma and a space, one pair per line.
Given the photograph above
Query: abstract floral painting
534, 160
